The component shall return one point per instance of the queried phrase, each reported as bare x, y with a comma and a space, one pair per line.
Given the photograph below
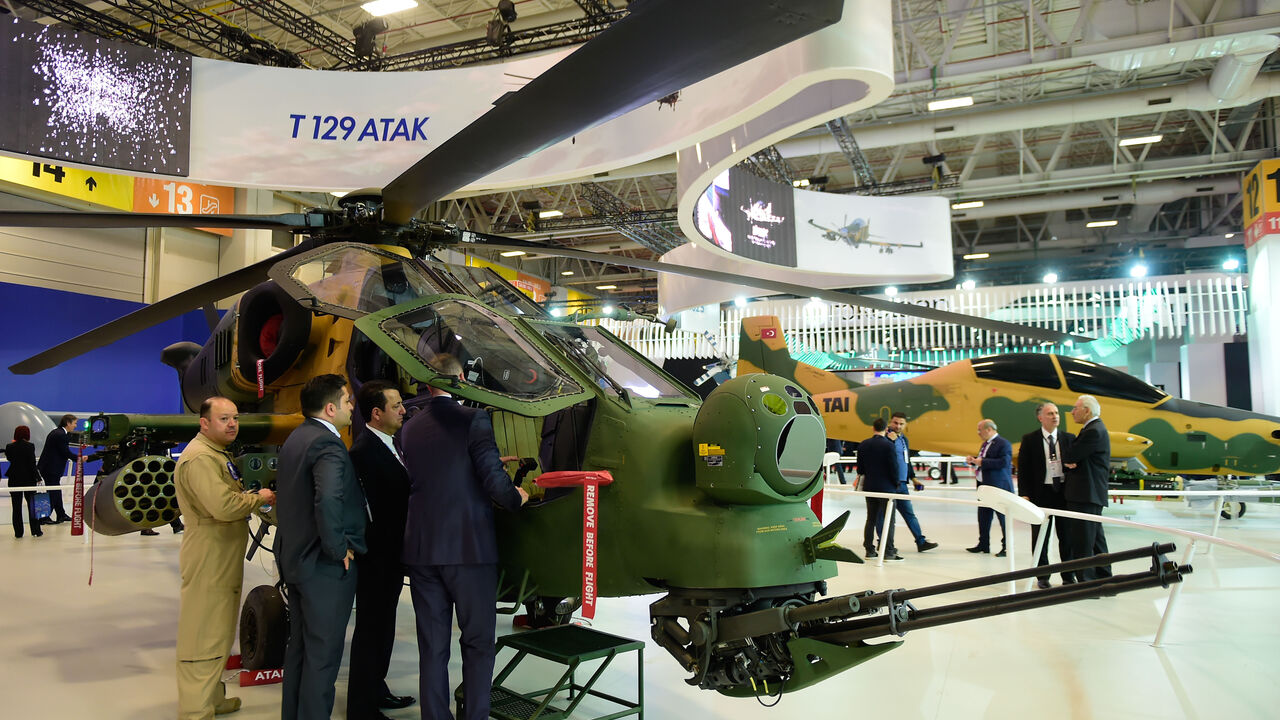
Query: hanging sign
590, 481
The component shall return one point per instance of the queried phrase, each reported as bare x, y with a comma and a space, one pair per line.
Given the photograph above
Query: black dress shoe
1043, 584
871, 554
978, 549
1002, 553
395, 702
148, 531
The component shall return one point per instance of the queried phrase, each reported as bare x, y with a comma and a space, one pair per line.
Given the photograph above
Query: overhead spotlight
606, 287
1138, 270
950, 103
891, 291
968, 285
607, 309
512, 253
557, 312
1229, 235
549, 214
366, 35
1102, 223
800, 183
1144, 140
507, 11
966, 205
977, 256
566, 272
740, 301
378, 8
1050, 278
1231, 264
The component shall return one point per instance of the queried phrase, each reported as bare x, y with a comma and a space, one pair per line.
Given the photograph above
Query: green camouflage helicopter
705, 502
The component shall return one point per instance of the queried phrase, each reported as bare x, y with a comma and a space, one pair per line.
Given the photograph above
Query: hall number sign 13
1262, 201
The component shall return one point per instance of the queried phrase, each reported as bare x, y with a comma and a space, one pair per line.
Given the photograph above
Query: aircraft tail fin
763, 349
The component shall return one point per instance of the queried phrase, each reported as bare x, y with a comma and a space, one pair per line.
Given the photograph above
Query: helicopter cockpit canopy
610, 363
352, 280
502, 362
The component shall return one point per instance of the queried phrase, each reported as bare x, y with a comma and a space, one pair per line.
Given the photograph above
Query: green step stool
571, 646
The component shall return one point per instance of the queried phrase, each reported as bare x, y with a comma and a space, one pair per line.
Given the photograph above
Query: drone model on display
707, 503
858, 233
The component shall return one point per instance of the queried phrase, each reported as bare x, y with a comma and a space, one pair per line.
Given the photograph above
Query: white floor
105, 650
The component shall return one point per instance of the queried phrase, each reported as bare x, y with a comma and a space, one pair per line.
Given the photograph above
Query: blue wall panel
126, 376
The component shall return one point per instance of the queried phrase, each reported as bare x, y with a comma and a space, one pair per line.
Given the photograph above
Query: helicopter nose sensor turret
758, 439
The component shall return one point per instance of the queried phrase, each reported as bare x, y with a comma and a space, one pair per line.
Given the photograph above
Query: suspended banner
315, 130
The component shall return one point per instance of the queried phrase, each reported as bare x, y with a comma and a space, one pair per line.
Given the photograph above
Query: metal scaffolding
864, 177
635, 225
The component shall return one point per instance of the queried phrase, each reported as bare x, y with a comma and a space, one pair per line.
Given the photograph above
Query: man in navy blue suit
993, 465
878, 470
450, 547
53, 464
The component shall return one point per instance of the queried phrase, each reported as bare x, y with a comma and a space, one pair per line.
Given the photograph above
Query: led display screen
76, 97
749, 216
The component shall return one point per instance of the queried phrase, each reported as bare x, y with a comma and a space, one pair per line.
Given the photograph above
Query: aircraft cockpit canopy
502, 365
1089, 378
352, 280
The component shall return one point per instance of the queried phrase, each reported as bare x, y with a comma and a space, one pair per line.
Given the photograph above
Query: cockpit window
351, 280
1025, 368
493, 290
604, 358
1094, 379
494, 355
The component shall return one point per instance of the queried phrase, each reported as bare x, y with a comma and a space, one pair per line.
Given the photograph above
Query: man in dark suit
878, 469
53, 464
1040, 478
321, 516
380, 575
450, 547
993, 465
1088, 463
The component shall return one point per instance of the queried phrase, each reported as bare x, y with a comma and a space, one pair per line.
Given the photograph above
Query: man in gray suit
321, 517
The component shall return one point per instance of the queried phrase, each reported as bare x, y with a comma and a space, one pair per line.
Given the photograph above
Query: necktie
1053, 455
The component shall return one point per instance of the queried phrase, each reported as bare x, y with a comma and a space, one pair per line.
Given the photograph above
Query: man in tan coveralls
215, 506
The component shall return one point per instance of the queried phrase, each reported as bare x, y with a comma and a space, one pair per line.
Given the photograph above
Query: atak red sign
590, 480
261, 677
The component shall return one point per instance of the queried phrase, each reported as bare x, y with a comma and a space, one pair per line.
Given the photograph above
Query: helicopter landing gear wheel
546, 611
1232, 510
264, 628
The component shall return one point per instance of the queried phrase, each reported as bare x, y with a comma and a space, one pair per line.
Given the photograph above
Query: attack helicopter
716, 489
1163, 433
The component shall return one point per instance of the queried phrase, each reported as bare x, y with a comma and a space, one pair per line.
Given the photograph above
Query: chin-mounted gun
756, 644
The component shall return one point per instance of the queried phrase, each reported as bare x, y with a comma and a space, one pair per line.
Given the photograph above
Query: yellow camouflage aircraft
1163, 433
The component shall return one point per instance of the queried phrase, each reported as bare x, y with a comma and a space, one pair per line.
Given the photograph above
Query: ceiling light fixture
566, 272
1229, 235
891, 291
606, 287
512, 253
950, 103
977, 256
1050, 278
968, 285
966, 205
1102, 223
1144, 140
800, 183
1138, 270
549, 214
378, 8
1231, 264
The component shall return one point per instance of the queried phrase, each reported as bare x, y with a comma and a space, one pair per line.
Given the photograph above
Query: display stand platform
571, 646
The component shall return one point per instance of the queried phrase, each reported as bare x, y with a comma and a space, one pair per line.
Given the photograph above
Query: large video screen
749, 216
76, 97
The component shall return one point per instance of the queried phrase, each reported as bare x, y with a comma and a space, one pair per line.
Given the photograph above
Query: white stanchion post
1008, 539
1217, 519
1174, 591
884, 532
1041, 541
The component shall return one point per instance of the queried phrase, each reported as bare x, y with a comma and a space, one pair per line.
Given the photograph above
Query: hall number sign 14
1262, 201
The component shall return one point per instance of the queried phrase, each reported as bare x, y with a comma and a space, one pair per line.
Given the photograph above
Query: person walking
22, 472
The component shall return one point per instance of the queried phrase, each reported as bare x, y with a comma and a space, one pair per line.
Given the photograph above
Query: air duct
1155, 193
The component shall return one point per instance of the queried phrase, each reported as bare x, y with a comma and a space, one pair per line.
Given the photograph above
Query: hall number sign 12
1262, 201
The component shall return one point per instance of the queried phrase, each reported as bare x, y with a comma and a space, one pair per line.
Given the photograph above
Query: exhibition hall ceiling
1056, 87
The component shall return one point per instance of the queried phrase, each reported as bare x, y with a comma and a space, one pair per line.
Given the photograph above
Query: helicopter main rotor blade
156, 313
70, 219
497, 242
661, 47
